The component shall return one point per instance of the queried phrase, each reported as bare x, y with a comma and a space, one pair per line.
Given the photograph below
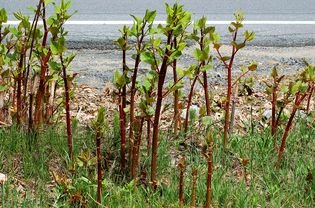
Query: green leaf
15, 31
48, 1
249, 36
180, 71
156, 42
175, 55
70, 58
209, 30
296, 87
119, 79
237, 46
121, 42
137, 19
4, 88
54, 31
18, 16
147, 85
200, 55
54, 47
181, 46
217, 46
269, 90
169, 10
252, 66
66, 5
231, 30
206, 68
147, 57
225, 58
58, 47
206, 121
150, 16
202, 22
239, 15
237, 25
3, 16
215, 37
99, 122
274, 72
150, 110
54, 65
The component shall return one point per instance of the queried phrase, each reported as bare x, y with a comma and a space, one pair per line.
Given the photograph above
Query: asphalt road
266, 10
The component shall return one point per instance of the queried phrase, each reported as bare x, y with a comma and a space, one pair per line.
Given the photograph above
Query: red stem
68, 116
155, 136
189, 103
99, 166
229, 91
122, 133
298, 100
148, 136
205, 79
133, 87
19, 90
209, 177
176, 98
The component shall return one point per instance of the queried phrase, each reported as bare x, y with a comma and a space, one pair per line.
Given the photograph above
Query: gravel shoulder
96, 67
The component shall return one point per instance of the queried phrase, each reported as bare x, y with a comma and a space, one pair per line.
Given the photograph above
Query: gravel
96, 66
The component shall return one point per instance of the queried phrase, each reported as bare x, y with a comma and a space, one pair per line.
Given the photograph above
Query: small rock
267, 114
192, 108
3, 178
301, 114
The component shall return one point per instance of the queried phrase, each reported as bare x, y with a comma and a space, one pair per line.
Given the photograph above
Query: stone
3, 178
192, 108
267, 115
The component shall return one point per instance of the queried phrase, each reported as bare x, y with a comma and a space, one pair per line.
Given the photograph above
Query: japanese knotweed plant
99, 126
203, 35
33, 65
4, 73
160, 55
120, 82
228, 62
276, 104
300, 89
139, 31
56, 50
146, 87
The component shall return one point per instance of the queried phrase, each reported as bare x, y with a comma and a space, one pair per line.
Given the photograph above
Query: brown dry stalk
209, 177
136, 149
99, 166
309, 100
181, 166
194, 187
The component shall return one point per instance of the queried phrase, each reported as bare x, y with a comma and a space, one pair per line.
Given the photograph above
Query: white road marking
127, 22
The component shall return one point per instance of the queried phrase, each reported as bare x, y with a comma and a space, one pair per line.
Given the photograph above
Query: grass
260, 183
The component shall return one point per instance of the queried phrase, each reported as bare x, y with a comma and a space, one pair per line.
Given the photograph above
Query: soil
96, 67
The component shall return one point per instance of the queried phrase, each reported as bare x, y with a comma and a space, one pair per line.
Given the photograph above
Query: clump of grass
260, 183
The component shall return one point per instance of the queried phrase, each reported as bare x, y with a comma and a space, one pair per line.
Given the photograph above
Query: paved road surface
267, 35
